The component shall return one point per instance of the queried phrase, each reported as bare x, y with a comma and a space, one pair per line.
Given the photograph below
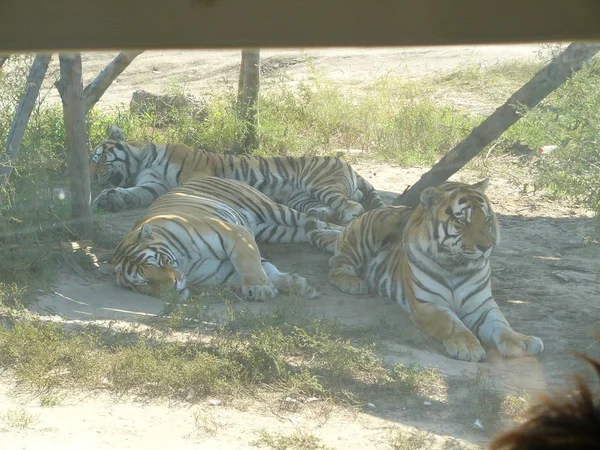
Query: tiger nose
483, 248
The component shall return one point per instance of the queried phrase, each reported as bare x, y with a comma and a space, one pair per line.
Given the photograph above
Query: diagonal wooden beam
95, 90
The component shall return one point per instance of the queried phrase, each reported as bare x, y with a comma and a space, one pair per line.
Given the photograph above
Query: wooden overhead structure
77, 25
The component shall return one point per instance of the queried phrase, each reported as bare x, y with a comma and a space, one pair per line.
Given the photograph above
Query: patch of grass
403, 440
492, 83
299, 440
206, 423
318, 117
18, 418
48, 401
427, 382
314, 361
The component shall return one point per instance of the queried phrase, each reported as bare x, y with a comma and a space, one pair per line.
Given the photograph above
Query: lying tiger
434, 261
140, 172
204, 233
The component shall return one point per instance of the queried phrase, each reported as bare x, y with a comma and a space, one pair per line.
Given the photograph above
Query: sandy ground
200, 71
543, 278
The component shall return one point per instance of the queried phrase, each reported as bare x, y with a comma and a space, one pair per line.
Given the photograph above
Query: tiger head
143, 262
459, 225
113, 164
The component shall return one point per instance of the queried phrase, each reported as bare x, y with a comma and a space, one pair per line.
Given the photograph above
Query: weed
12, 296
299, 440
426, 381
206, 423
48, 401
17, 418
402, 440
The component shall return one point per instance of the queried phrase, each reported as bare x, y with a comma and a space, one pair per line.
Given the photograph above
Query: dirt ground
544, 279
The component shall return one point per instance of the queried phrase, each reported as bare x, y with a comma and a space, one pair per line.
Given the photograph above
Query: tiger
204, 233
434, 260
133, 174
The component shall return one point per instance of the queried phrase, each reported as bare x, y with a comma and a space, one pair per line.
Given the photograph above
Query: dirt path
543, 277
203, 70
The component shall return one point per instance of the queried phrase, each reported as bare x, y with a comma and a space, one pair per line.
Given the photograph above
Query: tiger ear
430, 196
482, 185
146, 231
115, 133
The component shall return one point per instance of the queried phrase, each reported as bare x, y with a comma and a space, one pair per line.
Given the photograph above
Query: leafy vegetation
568, 119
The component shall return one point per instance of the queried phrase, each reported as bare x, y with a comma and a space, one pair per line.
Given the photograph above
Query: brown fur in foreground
563, 422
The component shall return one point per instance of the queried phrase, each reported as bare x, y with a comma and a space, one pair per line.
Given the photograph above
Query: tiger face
146, 265
465, 227
109, 165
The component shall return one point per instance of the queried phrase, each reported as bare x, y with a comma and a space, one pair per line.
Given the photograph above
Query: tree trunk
530, 94
70, 87
95, 90
248, 99
22, 114
240, 92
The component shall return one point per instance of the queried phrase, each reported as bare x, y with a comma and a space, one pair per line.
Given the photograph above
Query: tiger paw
323, 214
259, 293
464, 346
114, 199
351, 212
350, 284
514, 345
296, 284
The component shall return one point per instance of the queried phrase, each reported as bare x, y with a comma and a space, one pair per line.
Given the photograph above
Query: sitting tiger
434, 261
205, 233
139, 172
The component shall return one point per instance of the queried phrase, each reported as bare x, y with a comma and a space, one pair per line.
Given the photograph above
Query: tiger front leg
114, 199
243, 252
443, 325
495, 331
117, 199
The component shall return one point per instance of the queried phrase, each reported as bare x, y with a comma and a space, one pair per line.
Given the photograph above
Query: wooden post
530, 94
240, 92
95, 90
249, 87
70, 87
22, 114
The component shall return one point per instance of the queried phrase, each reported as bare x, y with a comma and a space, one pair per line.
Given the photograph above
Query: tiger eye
449, 210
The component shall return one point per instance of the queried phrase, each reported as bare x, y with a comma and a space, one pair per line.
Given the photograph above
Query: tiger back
434, 261
134, 174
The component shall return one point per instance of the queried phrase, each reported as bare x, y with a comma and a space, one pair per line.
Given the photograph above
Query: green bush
569, 119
